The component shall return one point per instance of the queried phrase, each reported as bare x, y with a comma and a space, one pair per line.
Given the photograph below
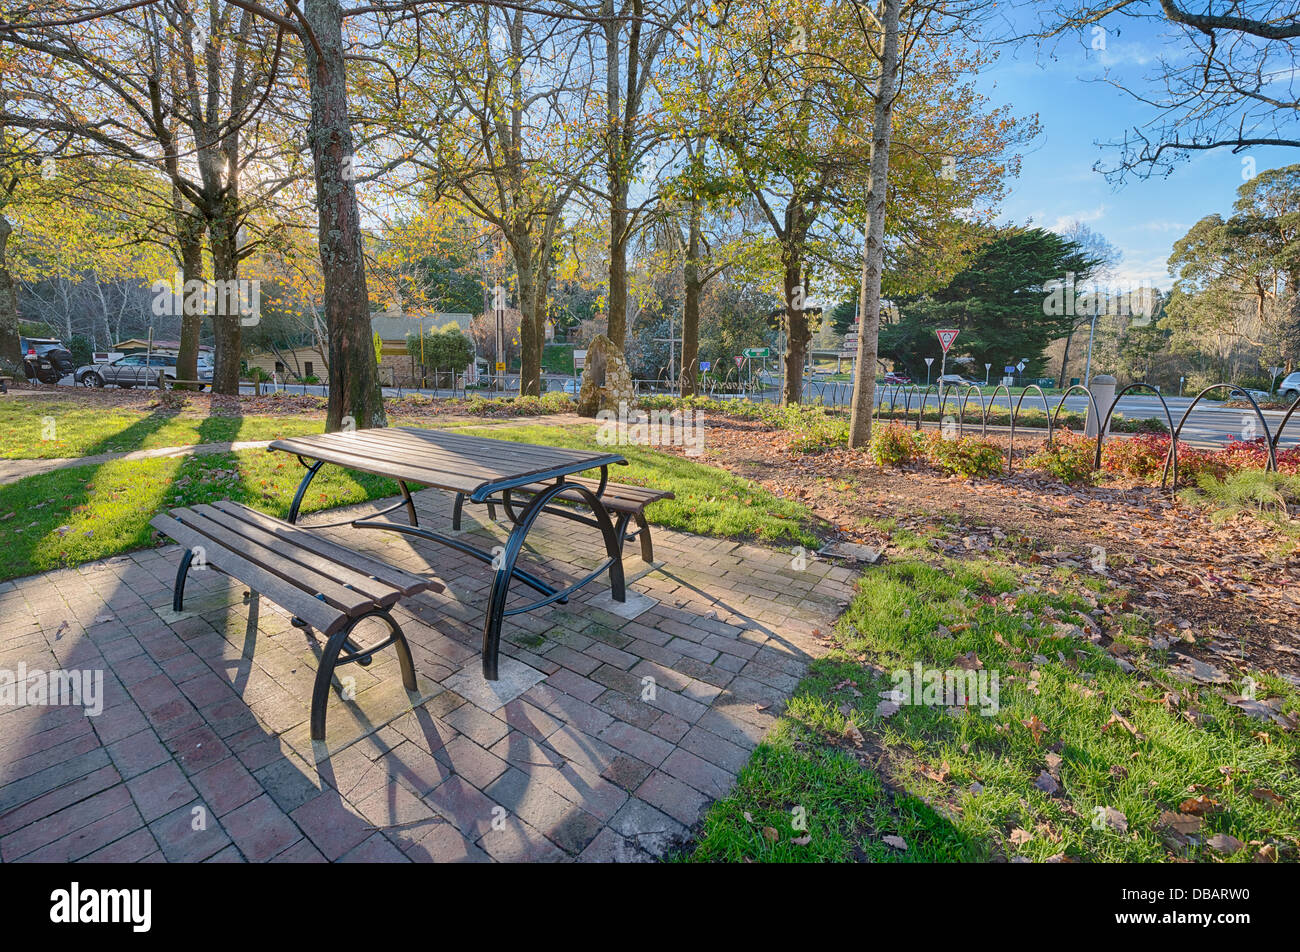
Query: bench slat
376, 589
618, 497
300, 576
323, 617
408, 583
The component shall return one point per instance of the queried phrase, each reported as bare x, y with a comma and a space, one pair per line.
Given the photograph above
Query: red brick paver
199, 754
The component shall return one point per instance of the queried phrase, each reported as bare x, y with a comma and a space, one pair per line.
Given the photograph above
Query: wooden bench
327, 586
629, 502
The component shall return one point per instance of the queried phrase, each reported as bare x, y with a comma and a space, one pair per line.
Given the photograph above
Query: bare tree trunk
797, 335
873, 262
617, 298
189, 237
531, 336
354, 393
1065, 358
226, 330
617, 174
691, 305
8, 302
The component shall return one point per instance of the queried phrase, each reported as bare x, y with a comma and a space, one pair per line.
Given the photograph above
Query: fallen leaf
897, 842
1179, 822
1266, 796
1198, 806
1223, 843
1115, 819
1047, 783
1035, 727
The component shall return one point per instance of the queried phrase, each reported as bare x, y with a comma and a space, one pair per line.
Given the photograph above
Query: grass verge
31, 429
92, 512
1079, 762
709, 501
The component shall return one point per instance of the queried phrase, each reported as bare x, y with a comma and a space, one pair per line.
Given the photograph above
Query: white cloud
1063, 223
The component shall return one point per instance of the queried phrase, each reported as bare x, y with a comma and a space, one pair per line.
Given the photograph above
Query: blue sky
1142, 218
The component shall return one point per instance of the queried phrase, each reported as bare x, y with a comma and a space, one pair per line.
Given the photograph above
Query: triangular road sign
946, 337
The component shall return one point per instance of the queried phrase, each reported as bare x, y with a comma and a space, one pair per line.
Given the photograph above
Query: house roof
397, 327
137, 344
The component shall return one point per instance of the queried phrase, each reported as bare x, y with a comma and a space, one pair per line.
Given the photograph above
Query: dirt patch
1227, 592
401, 411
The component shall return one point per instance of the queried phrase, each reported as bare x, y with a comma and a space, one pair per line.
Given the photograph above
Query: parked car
142, 370
45, 359
1289, 388
897, 379
957, 380
1240, 394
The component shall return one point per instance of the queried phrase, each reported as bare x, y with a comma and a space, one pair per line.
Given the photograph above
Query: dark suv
46, 359
139, 370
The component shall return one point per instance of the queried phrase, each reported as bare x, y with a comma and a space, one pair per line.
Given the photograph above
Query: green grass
915, 778
709, 501
84, 513
53, 429
1248, 490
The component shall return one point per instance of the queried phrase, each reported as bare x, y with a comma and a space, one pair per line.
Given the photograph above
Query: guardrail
1169, 474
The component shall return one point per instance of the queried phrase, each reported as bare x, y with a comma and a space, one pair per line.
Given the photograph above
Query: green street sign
757, 352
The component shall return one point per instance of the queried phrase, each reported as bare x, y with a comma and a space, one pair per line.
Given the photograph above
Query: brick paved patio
605, 739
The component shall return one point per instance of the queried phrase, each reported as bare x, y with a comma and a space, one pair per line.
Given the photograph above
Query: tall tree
1229, 87
508, 88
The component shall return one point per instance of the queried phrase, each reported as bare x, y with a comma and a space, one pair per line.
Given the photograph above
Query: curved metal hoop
1173, 442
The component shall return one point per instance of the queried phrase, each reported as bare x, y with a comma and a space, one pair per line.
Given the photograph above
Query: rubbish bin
1103, 395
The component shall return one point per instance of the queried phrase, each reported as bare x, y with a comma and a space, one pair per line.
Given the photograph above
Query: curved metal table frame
505, 561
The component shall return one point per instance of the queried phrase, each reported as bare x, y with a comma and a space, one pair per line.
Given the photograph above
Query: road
1210, 423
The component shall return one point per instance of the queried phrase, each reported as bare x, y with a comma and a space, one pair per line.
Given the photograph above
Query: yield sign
946, 337
739, 360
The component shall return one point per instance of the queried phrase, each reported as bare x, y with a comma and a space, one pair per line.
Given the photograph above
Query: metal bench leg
647, 547
514, 545
320, 695
457, 508
312, 470
178, 590
410, 503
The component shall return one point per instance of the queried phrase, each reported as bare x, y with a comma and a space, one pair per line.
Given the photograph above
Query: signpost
987, 368
740, 361
499, 319
946, 337
1273, 373
928, 362
757, 352
705, 366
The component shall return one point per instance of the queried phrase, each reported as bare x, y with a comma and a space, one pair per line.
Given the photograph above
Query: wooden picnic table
476, 467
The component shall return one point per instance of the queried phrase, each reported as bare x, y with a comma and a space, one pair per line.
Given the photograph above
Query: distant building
393, 327
137, 346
